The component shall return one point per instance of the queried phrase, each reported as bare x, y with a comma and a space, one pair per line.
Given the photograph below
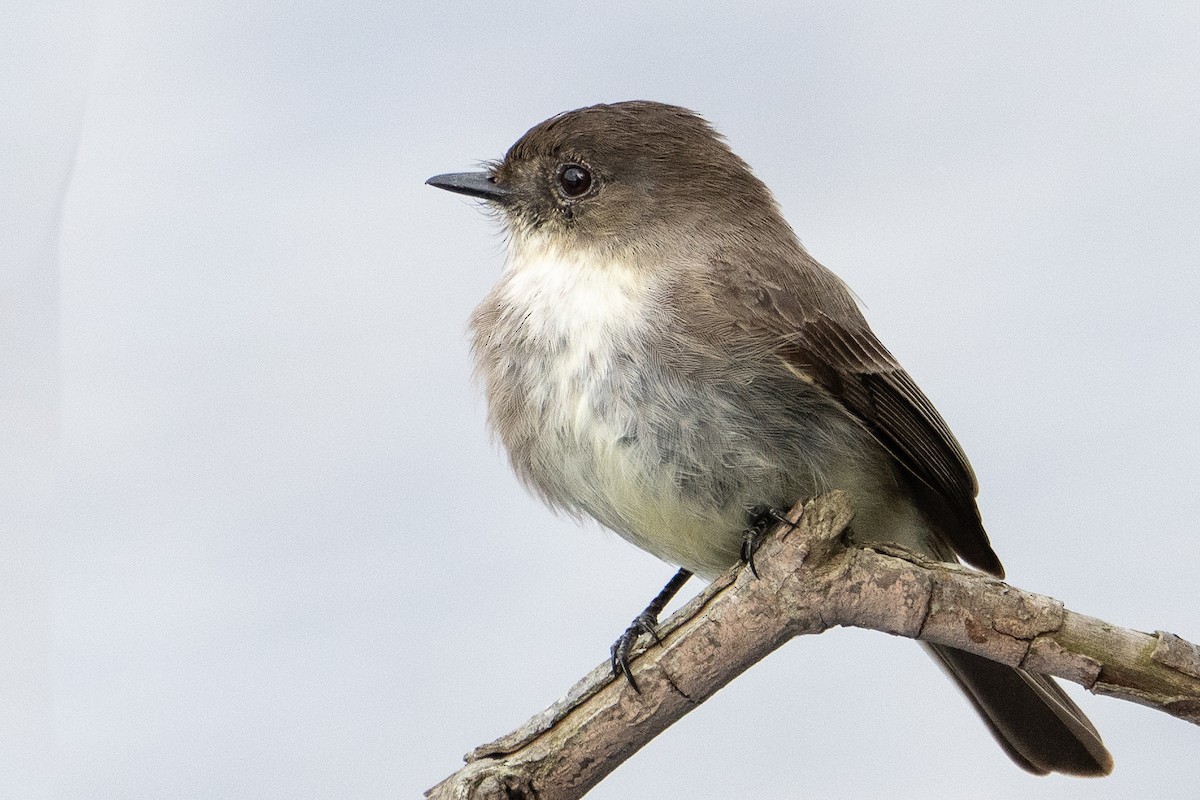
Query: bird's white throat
580, 296
577, 312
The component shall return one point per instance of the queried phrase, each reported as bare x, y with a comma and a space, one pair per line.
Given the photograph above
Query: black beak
475, 184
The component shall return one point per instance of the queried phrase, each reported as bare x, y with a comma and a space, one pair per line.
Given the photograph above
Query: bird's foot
761, 520
645, 622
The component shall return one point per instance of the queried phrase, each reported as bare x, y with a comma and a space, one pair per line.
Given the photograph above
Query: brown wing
857, 370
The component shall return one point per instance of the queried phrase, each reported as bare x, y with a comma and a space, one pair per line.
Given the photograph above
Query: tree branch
811, 580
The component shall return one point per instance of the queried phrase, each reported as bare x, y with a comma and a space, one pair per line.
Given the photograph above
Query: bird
662, 355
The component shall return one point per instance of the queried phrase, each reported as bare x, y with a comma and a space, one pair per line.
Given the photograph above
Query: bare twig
811, 580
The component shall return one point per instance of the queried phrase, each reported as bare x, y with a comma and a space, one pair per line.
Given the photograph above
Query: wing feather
858, 371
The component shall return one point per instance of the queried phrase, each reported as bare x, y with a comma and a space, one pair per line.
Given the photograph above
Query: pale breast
565, 347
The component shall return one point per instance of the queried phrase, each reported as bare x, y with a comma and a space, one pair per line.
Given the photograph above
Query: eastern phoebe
662, 354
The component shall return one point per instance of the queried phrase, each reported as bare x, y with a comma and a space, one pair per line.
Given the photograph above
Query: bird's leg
761, 520
645, 622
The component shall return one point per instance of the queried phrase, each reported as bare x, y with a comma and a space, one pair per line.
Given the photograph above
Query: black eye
574, 180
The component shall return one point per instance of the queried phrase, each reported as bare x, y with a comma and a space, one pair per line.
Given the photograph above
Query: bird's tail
1031, 717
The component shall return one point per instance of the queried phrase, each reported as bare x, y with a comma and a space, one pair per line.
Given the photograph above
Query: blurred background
254, 540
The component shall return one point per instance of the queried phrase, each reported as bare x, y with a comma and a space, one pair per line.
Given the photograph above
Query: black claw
648, 623
622, 648
645, 622
761, 520
751, 540
781, 517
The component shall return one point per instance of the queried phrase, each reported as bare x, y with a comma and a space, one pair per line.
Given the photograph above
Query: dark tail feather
1030, 715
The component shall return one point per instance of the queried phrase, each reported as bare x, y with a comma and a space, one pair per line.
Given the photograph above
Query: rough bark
811, 580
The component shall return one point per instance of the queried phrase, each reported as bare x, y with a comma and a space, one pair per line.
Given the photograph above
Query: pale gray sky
257, 543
